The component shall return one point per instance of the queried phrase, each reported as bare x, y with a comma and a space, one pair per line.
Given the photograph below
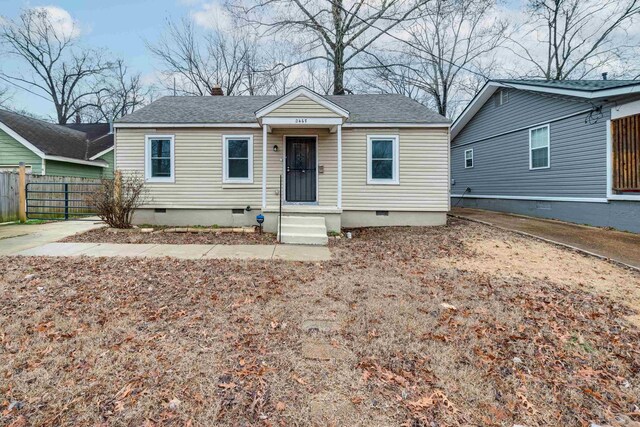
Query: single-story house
567, 150
75, 150
335, 161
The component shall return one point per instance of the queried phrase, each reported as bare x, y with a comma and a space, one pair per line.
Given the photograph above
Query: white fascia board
102, 153
21, 140
301, 91
624, 110
185, 125
590, 94
397, 125
302, 121
98, 163
538, 198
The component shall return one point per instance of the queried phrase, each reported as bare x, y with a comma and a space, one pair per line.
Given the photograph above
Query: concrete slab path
618, 246
18, 237
264, 252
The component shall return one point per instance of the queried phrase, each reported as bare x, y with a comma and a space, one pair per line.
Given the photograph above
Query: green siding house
76, 150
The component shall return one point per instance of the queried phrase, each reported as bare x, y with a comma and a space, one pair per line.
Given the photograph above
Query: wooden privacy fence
47, 200
625, 138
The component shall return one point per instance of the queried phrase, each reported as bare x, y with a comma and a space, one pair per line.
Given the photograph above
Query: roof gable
301, 97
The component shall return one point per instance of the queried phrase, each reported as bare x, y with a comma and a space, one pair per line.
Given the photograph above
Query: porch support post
339, 201
264, 167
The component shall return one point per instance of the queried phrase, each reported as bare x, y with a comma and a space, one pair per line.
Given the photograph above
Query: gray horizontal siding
523, 109
501, 164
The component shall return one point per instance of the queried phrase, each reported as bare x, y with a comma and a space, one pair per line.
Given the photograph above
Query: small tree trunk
338, 71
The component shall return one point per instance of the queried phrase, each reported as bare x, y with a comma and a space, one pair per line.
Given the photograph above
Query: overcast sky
121, 26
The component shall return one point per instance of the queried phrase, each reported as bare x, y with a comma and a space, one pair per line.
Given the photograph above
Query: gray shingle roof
386, 108
584, 85
56, 140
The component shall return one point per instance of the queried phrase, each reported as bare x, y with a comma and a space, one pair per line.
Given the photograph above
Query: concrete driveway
18, 237
619, 246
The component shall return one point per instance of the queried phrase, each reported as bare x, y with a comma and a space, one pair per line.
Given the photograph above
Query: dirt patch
172, 342
507, 255
103, 235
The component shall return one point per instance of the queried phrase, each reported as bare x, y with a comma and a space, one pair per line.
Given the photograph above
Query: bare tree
335, 31
442, 53
5, 96
59, 69
576, 37
123, 93
199, 63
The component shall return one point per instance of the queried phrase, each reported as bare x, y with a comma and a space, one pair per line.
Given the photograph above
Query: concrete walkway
615, 245
261, 252
18, 237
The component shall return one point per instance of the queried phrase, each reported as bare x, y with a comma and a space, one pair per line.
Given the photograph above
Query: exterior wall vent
382, 213
160, 210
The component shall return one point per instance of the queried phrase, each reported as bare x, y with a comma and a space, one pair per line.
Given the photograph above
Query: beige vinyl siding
198, 168
327, 157
424, 176
12, 153
302, 106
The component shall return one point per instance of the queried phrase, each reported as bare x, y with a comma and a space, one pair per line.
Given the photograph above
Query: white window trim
548, 148
465, 159
396, 160
147, 159
225, 160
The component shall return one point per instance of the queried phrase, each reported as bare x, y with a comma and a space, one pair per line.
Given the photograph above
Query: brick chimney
217, 91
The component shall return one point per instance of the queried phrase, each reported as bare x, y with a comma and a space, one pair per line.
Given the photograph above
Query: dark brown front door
301, 169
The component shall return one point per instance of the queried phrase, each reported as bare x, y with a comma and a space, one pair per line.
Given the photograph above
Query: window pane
539, 138
468, 154
540, 158
238, 148
160, 167
382, 149
238, 168
382, 169
160, 148
469, 163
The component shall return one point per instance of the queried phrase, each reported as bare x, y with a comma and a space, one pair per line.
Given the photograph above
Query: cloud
212, 15
60, 20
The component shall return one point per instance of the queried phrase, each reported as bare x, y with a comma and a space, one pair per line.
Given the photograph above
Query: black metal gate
301, 169
60, 201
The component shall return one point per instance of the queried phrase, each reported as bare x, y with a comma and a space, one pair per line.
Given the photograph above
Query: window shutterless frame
468, 155
547, 147
147, 159
395, 175
225, 160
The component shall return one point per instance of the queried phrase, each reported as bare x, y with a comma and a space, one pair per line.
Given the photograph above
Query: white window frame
395, 180
225, 160
470, 150
548, 148
147, 159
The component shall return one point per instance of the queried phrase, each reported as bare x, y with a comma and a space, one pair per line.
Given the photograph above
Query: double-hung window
382, 159
539, 148
159, 158
468, 158
237, 163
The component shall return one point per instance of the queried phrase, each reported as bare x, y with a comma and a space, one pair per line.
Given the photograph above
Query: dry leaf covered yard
458, 325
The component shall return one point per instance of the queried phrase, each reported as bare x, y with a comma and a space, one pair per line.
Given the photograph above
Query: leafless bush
118, 198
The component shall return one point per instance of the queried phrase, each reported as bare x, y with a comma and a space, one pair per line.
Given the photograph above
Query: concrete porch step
303, 230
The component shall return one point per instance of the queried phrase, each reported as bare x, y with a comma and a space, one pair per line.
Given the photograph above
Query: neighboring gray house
568, 150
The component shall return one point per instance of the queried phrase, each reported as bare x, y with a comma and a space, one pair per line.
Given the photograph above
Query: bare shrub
118, 198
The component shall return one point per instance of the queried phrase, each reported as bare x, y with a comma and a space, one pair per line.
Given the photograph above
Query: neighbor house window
159, 158
382, 159
539, 149
468, 158
238, 159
